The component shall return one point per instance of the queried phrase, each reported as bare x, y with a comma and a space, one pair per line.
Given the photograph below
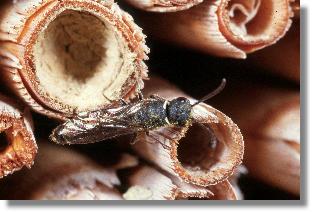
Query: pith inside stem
77, 59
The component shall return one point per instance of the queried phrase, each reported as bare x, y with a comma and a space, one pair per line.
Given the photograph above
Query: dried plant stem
164, 5
283, 58
273, 161
146, 183
61, 174
228, 28
271, 130
192, 153
70, 55
17, 143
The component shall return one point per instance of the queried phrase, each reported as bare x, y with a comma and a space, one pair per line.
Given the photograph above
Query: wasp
143, 115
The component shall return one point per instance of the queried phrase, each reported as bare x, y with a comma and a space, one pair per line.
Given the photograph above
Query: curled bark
205, 153
17, 145
228, 28
66, 56
61, 174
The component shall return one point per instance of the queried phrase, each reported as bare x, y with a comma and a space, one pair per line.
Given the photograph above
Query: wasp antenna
213, 93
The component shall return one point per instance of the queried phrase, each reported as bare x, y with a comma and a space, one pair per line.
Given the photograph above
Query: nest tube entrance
196, 154
211, 149
17, 143
68, 56
78, 58
200, 149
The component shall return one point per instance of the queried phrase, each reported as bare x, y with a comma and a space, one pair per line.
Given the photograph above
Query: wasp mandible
141, 116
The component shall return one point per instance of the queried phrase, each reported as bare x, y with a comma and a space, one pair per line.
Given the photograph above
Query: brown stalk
66, 56
283, 58
228, 28
17, 142
164, 5
270, 120
190, 153
296, 8
62, 174
234, 181
223, 191
146, 183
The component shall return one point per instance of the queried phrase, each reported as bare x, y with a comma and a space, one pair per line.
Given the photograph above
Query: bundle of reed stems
60, 59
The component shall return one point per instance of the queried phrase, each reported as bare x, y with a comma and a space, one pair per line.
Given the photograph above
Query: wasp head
179, 111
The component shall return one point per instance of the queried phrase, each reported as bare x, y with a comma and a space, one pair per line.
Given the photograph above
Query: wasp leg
75, 111
165, 146
134, 139
123, 102
140, 96
155, 96
106, 97
164, 135
76, 114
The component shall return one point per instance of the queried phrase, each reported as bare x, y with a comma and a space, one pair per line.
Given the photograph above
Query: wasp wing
91, 127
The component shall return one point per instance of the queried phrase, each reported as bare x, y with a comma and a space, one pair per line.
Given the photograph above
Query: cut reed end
146, 183
211, 149
77, 59
74, 55
204, 154
261, 161
17, 147
223, 191
226, 28
164, 6
17, 143
255, 24
67, 176
285, 120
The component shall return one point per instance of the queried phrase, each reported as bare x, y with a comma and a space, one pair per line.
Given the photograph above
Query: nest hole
77, 58
11, 141
200, 149
4, 142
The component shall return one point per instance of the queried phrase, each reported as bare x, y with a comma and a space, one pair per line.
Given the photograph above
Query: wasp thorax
179, 111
